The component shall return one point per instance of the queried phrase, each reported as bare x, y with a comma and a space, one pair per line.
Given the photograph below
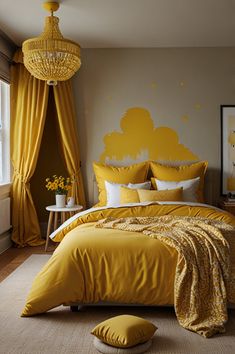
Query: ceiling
127, 23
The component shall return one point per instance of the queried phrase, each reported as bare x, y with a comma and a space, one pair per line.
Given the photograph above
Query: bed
138, 253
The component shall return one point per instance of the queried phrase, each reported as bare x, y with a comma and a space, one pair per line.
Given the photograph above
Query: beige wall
181, 88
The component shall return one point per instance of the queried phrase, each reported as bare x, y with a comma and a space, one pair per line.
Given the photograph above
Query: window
4, 133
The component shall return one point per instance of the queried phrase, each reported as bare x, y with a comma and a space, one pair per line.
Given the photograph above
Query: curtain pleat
67, 117
29, 98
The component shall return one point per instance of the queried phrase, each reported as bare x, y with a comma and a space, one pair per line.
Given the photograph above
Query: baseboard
5, 241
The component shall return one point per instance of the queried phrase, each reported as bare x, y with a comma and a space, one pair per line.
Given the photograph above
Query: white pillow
190, 187
145, 185
113, 191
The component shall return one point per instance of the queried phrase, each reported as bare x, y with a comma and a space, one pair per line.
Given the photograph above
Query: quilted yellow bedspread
92, 264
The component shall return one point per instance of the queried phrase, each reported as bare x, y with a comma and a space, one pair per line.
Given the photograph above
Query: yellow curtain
29, 98
66, 117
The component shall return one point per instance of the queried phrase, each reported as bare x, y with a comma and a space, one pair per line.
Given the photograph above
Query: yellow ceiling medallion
51, 57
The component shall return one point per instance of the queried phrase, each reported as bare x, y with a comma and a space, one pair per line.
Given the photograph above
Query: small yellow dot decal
185, 118
198, 106
153, 85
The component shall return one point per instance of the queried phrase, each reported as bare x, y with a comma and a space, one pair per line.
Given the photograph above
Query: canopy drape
69, 141
29, 99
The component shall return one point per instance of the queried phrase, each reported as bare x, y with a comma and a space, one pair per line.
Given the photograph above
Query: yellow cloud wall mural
140, 140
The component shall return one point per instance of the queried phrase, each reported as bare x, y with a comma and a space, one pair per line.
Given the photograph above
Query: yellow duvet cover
93, 264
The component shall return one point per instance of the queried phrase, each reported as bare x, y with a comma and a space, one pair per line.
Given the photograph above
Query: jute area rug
62, 331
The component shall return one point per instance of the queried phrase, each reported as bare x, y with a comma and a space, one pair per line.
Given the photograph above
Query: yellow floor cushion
124, 331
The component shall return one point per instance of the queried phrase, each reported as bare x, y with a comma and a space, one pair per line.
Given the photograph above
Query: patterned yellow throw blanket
202, 272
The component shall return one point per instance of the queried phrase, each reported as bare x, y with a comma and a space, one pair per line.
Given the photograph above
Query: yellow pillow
128, 195
164, 195
124, 331
180, 173
130, 174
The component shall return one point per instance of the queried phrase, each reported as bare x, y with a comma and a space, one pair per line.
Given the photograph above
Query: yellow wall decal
185, 118
139, 140
198, 106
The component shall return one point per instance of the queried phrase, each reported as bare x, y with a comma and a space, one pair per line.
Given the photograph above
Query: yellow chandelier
51, 57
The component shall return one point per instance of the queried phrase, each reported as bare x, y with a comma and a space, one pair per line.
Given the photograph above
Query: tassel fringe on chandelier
51, 57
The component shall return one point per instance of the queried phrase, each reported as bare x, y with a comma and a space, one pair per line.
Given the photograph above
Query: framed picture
227, 149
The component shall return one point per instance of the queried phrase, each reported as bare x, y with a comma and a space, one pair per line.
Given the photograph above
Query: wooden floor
14, 257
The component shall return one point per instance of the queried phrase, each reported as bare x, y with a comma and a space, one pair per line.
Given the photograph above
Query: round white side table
65, 213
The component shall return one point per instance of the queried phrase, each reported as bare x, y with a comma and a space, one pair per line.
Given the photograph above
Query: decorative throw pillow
124, 331
145, 185
122, 175
180, 173
128, 195
190, 187
113, 191
173, 195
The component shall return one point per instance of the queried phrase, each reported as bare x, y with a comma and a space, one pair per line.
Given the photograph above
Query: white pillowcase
145, 185
113, 191
190, 187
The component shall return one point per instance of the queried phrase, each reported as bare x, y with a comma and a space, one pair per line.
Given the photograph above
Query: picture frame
227, 113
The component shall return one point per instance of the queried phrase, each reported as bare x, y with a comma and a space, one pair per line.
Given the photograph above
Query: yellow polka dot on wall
153, 85
197, 106
185, 118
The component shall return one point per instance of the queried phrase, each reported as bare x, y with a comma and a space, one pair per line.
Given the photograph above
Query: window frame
5, 167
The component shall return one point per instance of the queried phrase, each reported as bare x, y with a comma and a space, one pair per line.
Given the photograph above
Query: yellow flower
58, 183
